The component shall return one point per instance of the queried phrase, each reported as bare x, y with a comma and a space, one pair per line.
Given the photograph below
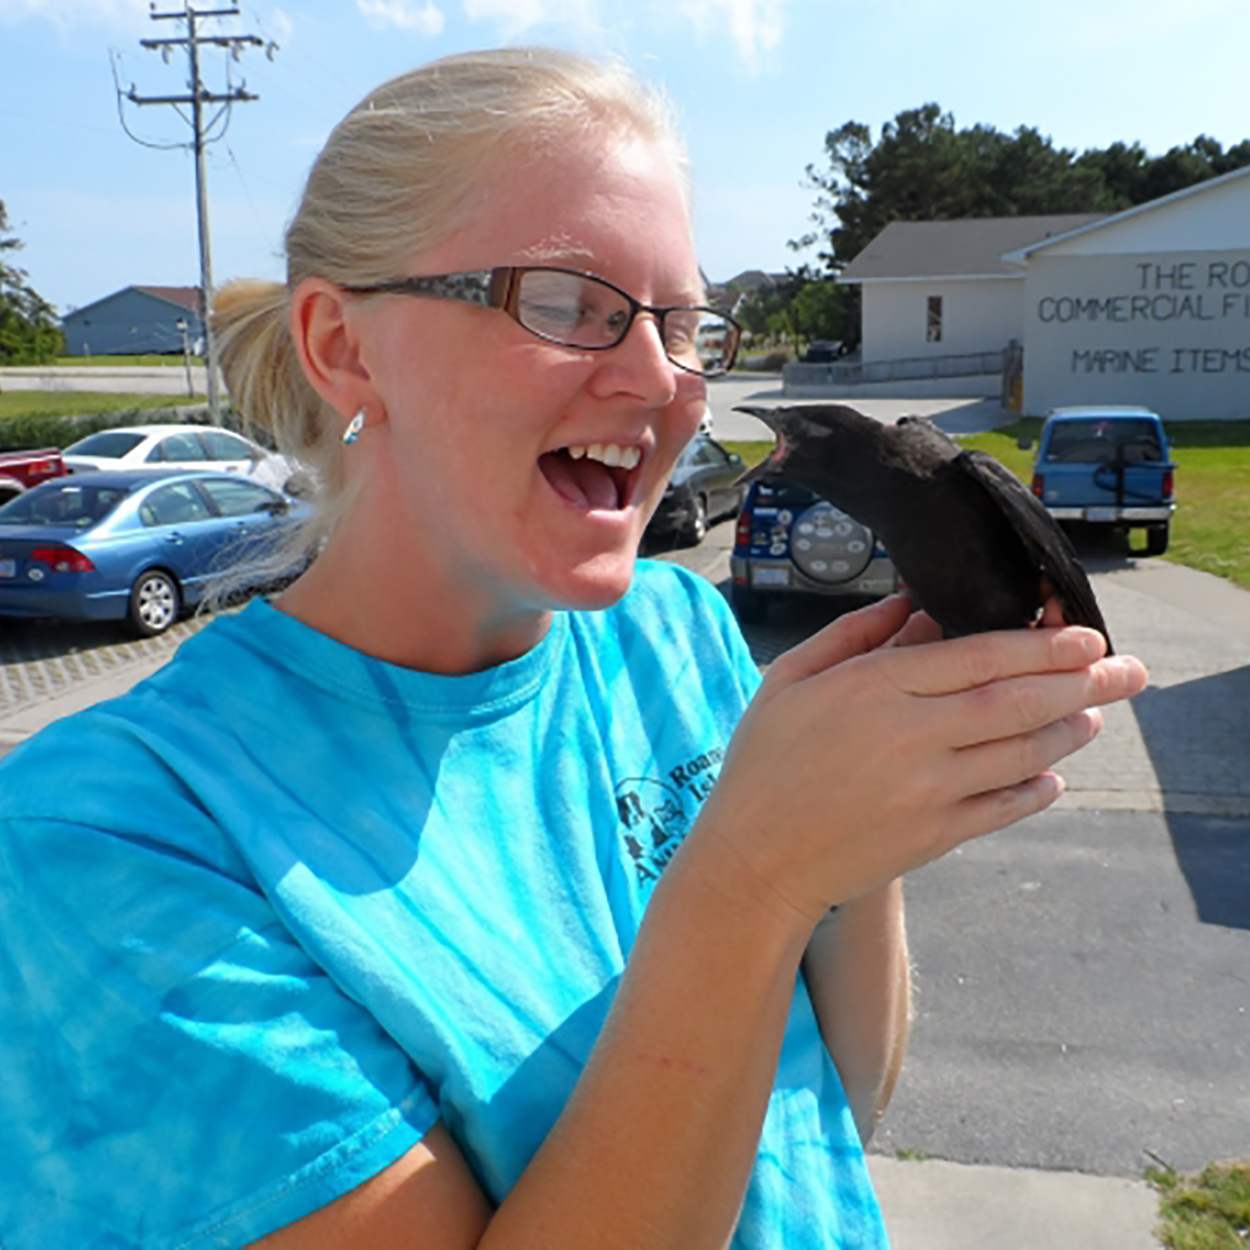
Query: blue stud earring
354, 426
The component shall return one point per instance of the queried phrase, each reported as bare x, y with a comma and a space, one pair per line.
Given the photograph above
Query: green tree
922, 168
818, 310
798, 307
29, 330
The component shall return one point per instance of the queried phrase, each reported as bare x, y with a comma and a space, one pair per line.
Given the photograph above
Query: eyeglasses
579, 310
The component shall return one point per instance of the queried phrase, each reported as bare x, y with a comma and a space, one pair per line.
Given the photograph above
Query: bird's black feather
972, 544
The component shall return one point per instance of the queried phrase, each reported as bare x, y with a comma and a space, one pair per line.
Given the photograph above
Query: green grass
79, 362
1211, 526
751, 452
1210, 1211
74, 403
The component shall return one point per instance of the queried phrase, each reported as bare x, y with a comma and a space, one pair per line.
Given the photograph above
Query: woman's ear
327, 342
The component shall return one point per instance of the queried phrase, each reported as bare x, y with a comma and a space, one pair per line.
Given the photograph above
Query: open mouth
595, 476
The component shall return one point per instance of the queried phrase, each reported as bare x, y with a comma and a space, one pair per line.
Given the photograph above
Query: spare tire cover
829, 546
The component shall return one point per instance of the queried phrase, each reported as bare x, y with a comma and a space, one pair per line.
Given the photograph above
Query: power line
204, 132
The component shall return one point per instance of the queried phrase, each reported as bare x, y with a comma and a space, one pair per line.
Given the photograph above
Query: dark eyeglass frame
501, 288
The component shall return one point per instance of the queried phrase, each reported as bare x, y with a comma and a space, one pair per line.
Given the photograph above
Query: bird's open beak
770, 466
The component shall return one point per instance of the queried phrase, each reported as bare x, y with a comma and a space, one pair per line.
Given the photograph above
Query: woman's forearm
857, 974
657, 1143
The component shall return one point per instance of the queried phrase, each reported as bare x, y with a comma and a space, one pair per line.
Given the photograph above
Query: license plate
8, 568
1100, 514
770, 577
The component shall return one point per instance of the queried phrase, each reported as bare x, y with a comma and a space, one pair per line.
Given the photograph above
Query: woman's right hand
858, 761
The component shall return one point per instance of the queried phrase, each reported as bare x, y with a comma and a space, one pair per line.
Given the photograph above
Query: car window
176, 504
702, 451
225, 446
1099, 439
176, 448
63, 504
108, 444
238, 498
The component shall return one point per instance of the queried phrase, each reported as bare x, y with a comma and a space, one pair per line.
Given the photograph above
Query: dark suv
790, 541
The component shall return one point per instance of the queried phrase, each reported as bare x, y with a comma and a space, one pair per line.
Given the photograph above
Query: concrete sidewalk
932, 1205
929, 1205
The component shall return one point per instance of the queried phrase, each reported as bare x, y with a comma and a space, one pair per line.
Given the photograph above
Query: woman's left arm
859, 981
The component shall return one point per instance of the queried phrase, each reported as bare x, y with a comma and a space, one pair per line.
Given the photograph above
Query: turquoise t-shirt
269, 916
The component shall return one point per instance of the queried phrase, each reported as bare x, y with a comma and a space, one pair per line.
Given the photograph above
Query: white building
1149, 306
942, 288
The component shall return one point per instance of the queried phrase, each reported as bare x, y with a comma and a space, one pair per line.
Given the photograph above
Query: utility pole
199, 97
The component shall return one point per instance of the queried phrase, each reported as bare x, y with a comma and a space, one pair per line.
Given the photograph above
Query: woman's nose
640, 365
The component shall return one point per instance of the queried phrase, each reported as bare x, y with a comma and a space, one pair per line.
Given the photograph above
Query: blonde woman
474, 892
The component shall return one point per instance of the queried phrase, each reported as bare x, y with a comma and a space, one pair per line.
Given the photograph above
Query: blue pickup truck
1107, 467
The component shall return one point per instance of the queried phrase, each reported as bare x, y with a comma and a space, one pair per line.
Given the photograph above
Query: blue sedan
140, 546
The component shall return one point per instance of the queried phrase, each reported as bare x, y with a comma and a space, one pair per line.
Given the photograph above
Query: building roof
185, 297
1023, 251
970, 248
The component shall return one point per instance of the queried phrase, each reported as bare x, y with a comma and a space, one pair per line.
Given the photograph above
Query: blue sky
757, 84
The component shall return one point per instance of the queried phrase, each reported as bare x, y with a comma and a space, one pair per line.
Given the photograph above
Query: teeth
612, 454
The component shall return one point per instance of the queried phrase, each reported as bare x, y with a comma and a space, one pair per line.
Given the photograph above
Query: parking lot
1082, 994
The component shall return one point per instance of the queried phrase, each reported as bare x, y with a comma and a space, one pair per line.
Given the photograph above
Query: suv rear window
782, 493
1097, 439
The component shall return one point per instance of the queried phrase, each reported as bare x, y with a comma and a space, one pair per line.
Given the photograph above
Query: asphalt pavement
1028, 1109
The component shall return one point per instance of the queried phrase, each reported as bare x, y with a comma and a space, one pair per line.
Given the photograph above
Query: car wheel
1156, 539
750, 608
155, 603
696, 527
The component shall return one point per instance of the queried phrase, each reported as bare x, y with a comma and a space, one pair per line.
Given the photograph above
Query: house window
933, 324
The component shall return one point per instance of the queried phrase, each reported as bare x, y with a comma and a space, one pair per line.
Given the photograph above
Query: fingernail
1130, 666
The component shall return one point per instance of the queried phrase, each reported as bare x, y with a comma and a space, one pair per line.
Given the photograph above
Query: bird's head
799, 426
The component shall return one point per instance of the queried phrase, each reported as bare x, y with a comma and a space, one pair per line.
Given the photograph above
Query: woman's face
472, 459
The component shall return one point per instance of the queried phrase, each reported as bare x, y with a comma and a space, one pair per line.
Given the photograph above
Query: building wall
1154, 309
978, 315
130, 322
1166, 329
1213, 216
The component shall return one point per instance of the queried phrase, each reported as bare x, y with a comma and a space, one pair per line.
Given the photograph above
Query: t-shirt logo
656, 813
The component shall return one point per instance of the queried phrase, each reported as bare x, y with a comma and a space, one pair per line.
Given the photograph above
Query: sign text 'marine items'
1170, 331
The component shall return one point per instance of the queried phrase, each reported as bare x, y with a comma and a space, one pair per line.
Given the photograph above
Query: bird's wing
1040, 533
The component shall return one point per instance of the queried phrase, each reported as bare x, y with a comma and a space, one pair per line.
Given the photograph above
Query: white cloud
426, 19
755, 26
67, 14
281, 28
513, 17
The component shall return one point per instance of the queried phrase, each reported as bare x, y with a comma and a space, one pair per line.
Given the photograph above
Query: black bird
974, 547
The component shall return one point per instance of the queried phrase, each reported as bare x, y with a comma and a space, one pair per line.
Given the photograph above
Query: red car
20, 470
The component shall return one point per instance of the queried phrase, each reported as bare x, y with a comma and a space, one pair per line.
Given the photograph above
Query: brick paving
42, 659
